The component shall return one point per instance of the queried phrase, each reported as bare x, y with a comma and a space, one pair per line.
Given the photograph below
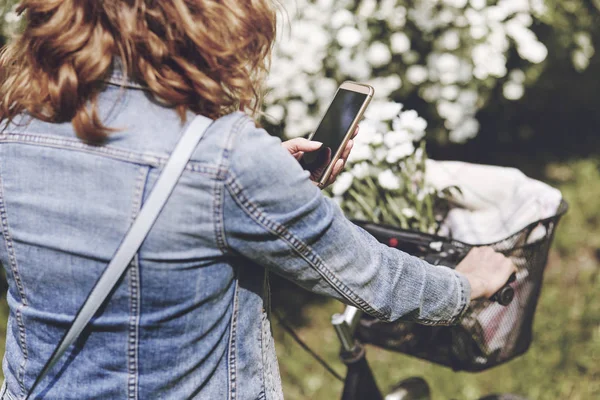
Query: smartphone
336, 128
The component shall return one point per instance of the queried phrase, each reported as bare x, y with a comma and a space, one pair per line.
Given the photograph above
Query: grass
563, 362
564, 359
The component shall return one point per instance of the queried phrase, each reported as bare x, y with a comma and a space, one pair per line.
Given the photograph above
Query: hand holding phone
336, 129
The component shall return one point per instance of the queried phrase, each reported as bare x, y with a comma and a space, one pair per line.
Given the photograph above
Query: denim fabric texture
189, 318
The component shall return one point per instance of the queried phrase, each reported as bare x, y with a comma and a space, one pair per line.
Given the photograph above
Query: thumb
301, 144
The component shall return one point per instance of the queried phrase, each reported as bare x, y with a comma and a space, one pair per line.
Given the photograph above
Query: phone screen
331, 132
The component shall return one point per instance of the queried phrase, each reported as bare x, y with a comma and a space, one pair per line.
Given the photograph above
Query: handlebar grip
506, 294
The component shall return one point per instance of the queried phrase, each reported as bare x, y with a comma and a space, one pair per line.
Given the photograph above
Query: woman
94, 96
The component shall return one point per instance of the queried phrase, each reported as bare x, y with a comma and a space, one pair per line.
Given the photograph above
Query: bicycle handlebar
506, 294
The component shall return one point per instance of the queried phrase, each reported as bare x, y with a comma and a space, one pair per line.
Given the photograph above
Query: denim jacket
189, 317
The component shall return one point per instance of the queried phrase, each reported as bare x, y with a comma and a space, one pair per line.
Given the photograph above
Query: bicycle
464, 347
354, 330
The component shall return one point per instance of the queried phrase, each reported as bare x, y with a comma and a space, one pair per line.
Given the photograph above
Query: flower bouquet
384, 180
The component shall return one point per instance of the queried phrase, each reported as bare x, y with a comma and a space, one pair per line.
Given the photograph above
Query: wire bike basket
489, 334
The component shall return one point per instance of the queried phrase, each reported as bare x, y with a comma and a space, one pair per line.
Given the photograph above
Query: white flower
361, 170
300, 127
450, 40
478, 4
450, 92
342, 183
477, 32
410, 57
383, 110
452, 112
447, 65
409, 120
367, 8
360, 152
297, 110
528, 47
447, 62
388, 180
416, 74
378, 54
368, 129
469, 42
455, 3
397, 137
513, 90
325, 88
467, 130
377, 139
399, 152
276, 113
380, 154
385, 86
399, 42
341, 17
580, 60
348, 36
533, 51
516, 75
468, 98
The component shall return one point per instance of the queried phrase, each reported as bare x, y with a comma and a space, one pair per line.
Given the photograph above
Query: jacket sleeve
275, 216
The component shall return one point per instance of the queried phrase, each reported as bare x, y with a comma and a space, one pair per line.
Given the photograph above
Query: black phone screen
331, 132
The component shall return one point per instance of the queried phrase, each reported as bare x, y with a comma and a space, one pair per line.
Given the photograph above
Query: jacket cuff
464, 297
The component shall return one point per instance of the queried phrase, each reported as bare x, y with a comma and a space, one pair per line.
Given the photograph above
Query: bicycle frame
360, 382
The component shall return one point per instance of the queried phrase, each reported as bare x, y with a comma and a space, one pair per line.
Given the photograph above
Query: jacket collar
117, 77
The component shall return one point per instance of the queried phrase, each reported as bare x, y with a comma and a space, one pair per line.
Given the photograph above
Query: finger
301, 144
298, 155
355, 132
339, 166
347, 150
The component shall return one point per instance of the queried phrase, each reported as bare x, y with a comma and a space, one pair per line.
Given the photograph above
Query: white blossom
385, 86
361, 170
580, 60
410, 121
399, 42
349, 36
342, 183
450, 40
399, 152
388, 180
275, 113
470, 41
450, 92
478, 4
416, 74
513, 90
383, 110
467, 130
360, 152
379, 54
517, 75
342, 17
455, 3
397, 137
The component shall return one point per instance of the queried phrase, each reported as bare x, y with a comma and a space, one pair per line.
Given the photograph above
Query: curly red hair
207, 56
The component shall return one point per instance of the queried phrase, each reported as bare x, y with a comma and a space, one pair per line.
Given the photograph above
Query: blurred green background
552, 134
